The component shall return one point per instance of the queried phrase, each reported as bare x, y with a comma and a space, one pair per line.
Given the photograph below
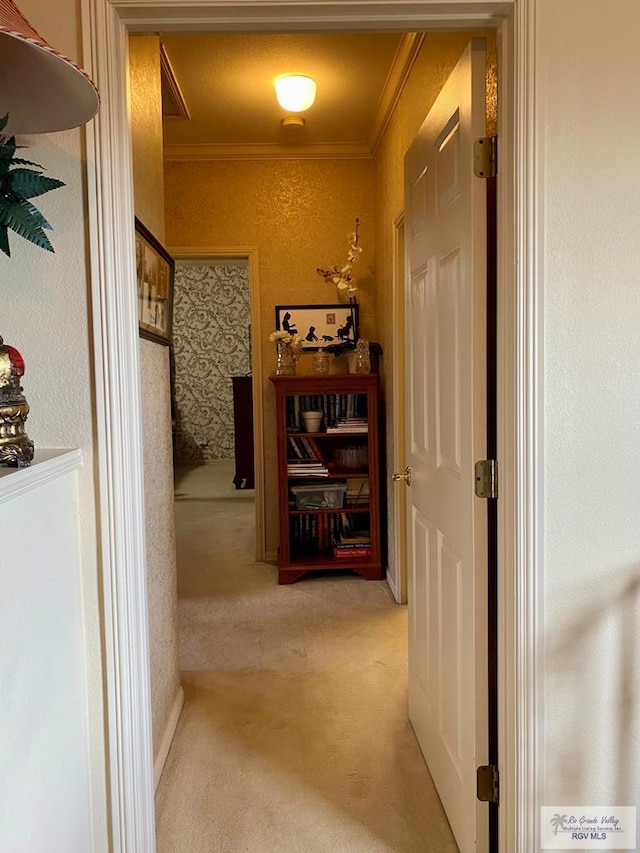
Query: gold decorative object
286, 359
363, 358
321, 362
15, 447
288, 347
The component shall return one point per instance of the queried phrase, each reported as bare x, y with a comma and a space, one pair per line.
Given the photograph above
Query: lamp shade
41, 89
295, 92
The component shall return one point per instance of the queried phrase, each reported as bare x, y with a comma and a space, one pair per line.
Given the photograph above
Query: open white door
446, 417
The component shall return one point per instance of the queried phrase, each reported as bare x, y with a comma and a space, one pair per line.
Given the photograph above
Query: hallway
294, 735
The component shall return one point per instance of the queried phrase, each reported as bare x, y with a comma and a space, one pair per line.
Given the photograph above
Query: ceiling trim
168, 77
309, 15
267, 151
404, 60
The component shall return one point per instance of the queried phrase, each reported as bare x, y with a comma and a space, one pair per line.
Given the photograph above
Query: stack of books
304, 458
350, 425
352, 546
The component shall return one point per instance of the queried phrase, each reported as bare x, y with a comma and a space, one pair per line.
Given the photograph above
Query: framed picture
320, 325
154, 274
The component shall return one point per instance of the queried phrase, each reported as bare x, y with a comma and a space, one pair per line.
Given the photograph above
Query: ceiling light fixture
295, 92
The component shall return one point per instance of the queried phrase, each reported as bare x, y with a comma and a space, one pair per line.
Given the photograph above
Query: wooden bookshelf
336, 467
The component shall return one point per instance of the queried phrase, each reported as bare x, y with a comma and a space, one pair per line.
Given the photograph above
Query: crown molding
404, 60
168, 77
267, 151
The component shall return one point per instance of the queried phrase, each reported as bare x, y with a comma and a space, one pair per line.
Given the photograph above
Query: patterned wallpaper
211, 324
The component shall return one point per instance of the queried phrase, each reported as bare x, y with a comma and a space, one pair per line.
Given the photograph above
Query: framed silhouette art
320, 325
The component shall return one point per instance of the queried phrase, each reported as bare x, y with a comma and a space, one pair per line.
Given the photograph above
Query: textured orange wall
145, 105
298, 215
438, 56
148, 178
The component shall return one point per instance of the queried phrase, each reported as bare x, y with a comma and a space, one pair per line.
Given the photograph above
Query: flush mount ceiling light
295, 93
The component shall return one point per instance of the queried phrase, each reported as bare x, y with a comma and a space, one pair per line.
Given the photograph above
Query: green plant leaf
22, 162
26, 221
4, 240
17, 186
29, 184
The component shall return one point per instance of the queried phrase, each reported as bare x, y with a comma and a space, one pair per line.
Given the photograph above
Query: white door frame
185, 253
397, 579
106, 24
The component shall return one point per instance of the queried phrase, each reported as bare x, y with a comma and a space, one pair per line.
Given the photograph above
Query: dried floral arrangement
295, 341
341, 277
17, 186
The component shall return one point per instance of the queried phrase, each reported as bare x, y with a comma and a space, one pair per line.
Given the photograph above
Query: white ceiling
226, 81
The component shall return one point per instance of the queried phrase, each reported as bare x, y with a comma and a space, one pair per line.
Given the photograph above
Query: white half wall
45, 803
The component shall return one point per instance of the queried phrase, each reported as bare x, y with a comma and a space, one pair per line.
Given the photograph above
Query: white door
446, 411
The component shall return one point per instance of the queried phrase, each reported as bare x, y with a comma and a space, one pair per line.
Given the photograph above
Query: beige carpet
294, 736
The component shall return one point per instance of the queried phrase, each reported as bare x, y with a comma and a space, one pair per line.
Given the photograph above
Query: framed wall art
320, 325
154, 275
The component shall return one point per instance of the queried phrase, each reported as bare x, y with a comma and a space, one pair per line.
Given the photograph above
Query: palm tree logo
557, 822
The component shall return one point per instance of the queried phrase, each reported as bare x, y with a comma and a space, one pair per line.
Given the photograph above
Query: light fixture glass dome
295, 92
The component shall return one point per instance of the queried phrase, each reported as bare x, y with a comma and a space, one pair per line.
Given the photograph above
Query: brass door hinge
487, 478
488, 784
485, 157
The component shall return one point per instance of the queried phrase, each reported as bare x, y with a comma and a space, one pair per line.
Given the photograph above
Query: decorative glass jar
363, 358
285, 359
321, 362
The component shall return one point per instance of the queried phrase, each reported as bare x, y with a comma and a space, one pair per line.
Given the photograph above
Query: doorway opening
218, 435
126, 659
212, 379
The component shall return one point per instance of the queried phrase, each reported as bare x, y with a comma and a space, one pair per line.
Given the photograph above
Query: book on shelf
334, 407
359, 552
349, 425
314, 449
293, 450
354, 541
307, 470
302, 447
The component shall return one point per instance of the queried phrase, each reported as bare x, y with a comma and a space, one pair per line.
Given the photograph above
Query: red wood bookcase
316, 534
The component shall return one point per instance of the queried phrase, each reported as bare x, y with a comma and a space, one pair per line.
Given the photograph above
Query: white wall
589, 60
45, 314
589, 74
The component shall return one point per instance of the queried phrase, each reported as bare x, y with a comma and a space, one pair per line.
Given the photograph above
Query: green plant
17, 186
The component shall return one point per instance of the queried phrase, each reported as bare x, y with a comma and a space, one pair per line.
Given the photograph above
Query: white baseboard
271, 557
167, 737
391, 581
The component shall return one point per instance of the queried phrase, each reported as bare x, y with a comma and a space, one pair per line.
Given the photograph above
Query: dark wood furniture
314, 534
243, 431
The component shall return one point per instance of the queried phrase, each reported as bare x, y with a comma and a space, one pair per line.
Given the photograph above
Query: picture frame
320, 325
154, 276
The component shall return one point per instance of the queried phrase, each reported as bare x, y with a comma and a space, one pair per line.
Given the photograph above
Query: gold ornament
15, 446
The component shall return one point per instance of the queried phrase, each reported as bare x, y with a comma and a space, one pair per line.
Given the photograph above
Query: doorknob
406, 476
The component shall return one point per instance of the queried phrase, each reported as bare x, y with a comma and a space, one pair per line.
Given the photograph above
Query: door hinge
485, 157
487, 478
488, 784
